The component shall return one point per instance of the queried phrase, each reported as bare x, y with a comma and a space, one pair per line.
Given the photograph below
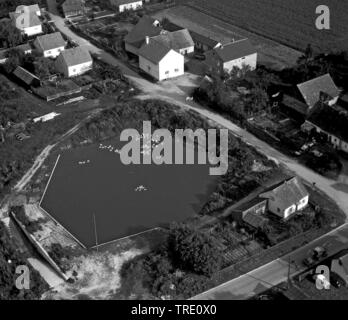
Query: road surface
176, 91
275, 272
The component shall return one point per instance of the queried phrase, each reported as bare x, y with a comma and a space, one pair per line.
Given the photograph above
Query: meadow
290, 22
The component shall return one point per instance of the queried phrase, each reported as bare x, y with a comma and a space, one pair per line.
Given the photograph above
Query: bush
194, 250
9, 252
30, 226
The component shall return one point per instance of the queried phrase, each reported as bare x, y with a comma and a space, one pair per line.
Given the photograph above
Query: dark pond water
105, 188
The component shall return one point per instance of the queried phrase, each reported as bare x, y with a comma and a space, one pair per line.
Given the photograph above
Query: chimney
147, 39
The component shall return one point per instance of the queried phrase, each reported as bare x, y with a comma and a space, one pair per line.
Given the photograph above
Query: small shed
27, 77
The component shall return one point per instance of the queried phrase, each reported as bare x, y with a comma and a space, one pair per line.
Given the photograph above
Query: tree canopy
194, 250
10, 36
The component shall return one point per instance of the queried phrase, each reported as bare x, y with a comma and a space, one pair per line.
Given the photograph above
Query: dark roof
175, 40
235, 50
288, 192
154, 51
312, 89
75, 56
24, 47
295, 104
255, 220
72, 5
203, 39
339, 265
25, 75
50, 41
249, 204
145, 27
331, 120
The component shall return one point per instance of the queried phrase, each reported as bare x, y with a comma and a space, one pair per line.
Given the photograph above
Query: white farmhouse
286, 198
235, 54
73, 62
26, 19
50, 45
160, 61
124, 5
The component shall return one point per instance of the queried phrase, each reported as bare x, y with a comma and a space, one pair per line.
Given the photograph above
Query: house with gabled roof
34, 8
146, 27
26, 48
26, 19
205, 42
319, 90
73, 8
252, 212
339, 266
286, 198
235, 54
332, 121
160, 61
50, 45
180, 41
73, 62
124, 5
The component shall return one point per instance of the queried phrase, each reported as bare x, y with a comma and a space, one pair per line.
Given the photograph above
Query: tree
9, 259
14, 59
10, 35
194, 250
307, 56
44, 67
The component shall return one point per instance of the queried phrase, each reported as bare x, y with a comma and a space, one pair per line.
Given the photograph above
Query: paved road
275, 272
176, 92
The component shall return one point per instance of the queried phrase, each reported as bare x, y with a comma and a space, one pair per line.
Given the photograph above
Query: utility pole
289, 266
95, 232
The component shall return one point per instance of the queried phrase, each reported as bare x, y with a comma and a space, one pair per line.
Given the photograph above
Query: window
176, 70
167, 72
148, 68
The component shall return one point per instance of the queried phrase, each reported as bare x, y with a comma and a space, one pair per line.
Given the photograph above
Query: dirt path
338, 191
44, 154
175, 91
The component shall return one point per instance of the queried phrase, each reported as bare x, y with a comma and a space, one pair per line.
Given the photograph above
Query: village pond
99, 199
